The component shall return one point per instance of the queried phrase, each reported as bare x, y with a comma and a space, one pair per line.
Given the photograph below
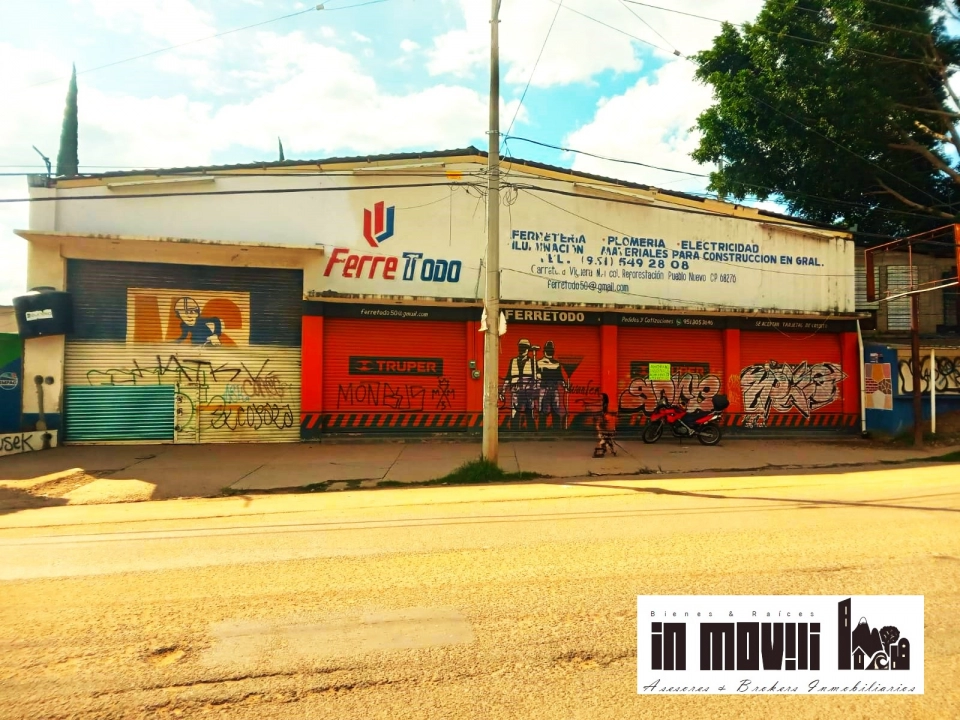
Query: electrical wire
811, 41
261, 191
534, 70
602, 157
676, 50
847, 203
204, 39
775, 109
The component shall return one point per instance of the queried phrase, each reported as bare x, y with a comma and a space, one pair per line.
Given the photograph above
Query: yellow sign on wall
659, 371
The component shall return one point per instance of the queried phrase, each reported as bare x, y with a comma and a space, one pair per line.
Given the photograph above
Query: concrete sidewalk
125, 473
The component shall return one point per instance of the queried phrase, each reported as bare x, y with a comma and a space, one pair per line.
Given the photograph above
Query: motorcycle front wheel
709, 434
652, 431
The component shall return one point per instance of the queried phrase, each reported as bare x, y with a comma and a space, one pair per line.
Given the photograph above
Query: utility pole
915, 366
491, 301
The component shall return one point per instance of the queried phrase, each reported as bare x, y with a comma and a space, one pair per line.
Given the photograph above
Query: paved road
492, 602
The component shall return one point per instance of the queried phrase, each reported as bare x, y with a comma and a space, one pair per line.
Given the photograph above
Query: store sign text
414, 267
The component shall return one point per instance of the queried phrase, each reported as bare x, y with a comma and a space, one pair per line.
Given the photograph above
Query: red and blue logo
378, 224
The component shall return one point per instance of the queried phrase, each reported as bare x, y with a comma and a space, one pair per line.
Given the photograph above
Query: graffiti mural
948, 374
218, 395
878, 386
26, 442
188, 317
784, 387
691, 385
539, 391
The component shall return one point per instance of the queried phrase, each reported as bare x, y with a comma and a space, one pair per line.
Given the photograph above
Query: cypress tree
282, 158
68, 162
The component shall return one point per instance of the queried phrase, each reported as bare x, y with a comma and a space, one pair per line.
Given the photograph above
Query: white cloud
649, 123
169, 23
409, 46
576, 51
316, 97
652, 121
358, 37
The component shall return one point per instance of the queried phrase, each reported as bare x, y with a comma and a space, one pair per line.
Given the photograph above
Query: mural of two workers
546, 391
545, 387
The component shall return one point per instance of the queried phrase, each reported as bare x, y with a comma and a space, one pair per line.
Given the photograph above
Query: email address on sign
588, 285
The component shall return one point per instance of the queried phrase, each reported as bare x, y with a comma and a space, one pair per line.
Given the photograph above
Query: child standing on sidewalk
606, 429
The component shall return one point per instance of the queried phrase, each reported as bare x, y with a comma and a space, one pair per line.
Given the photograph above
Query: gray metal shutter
230, 374
900, 278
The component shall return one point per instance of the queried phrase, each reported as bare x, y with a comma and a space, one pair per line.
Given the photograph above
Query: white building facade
292, 300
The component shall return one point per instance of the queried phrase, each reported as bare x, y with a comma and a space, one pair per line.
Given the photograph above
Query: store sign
46, 314
787, 325
396, 366
671, 321
563, 317
378, 224
9, 381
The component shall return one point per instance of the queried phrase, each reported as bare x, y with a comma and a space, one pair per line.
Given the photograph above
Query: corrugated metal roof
270, 164
470, 150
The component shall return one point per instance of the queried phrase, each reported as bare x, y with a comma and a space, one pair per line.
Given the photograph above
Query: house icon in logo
378, 224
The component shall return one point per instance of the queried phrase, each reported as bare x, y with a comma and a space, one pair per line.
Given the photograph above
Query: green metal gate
118, 412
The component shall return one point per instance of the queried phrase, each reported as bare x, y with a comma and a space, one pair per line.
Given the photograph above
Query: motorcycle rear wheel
652, 431
709, 434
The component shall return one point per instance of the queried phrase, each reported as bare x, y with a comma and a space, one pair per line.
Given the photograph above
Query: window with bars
860, 287
900, 278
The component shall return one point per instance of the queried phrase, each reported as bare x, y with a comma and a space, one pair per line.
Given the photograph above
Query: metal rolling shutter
119, 413
394, 375
792, 380
129, 335
696, 368
577, 349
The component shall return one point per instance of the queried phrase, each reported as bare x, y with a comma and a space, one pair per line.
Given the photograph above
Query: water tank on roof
44, 311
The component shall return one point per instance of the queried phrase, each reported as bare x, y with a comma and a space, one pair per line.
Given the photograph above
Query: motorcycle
702, 424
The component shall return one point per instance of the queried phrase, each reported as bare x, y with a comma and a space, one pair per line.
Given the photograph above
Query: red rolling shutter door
394, 375
792, 380
696, 368
577, 351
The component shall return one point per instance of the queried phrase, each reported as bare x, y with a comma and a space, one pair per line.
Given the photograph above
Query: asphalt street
511, 601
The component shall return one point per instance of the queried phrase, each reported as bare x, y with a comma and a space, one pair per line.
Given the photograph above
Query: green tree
842, 109
68, 162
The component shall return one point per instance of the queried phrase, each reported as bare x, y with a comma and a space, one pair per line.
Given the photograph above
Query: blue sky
386, 77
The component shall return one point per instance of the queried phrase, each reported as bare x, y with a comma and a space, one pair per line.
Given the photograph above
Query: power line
676, 50
612, 27
775, 109
785, 35
261, 191
533, 72
602, 157
204, 39
684, 172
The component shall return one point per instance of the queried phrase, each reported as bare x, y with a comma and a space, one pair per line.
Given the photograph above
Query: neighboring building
290, 300
893, 271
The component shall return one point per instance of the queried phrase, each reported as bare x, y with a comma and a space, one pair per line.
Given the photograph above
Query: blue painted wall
900, 419
11, 382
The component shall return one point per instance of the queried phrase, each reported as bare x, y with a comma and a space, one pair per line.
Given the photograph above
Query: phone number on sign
588, 285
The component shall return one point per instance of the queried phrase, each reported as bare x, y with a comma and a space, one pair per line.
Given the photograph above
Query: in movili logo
771, 644
378, 224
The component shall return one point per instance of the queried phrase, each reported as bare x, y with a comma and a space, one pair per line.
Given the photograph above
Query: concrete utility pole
491, 345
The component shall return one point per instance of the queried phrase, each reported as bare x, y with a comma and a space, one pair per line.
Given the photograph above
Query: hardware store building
294, 300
